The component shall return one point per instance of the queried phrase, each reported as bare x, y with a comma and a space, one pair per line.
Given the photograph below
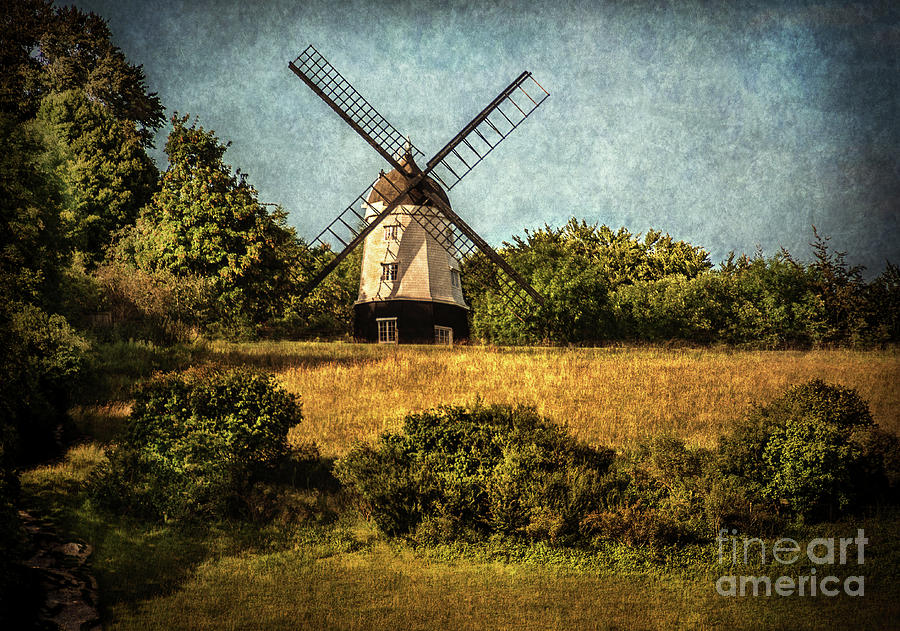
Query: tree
841, 289
207, 221
883, 298
620, 256
62, 74
576, 268
48, 49
328, 309
32, 248
102, 162
21, 25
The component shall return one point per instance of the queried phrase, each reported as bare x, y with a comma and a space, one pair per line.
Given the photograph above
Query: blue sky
729, 126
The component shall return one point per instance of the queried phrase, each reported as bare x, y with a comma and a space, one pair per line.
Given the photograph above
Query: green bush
197, 443
814, 452
654, 495
471, 471
42, 364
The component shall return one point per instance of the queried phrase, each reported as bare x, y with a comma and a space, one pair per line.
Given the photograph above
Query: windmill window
443, 335
389, 271
454, 278
390, 232
387, 330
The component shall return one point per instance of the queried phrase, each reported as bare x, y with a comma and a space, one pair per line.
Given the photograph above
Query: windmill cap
390, 184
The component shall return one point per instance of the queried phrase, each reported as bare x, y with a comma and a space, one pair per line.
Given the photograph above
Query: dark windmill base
415, 320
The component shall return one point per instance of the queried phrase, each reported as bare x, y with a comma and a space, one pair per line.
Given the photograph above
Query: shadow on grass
135, 561
278, 361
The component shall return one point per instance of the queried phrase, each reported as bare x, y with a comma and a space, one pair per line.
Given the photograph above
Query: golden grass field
605, 396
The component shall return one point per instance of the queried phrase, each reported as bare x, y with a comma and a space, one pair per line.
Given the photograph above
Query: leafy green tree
21, 25
575, 291
576, 268
814, 449
59, 68
32, 248
620, 256
328, 310
883, 298
206, 221
774, 302
47, 49
103, 163
841, 289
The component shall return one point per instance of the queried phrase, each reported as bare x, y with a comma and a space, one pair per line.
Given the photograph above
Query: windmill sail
486, 131
336, 91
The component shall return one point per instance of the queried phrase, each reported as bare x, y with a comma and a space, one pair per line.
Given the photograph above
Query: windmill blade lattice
340, 229
458, 244
342, 97
495, 122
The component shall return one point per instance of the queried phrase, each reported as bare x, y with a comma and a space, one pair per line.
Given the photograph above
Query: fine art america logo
821, 552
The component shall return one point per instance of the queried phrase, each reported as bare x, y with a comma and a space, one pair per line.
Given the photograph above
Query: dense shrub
469, 471
197, 443
42, 364
814, 450
654, 495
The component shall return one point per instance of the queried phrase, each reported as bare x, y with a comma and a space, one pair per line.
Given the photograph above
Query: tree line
603, 284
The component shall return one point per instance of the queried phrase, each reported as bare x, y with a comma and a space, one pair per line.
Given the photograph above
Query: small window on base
443, 335
387, 330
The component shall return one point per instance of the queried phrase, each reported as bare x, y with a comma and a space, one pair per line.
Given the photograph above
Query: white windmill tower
410, 289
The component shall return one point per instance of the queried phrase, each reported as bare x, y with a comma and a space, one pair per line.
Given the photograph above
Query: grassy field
604, 396
329, 569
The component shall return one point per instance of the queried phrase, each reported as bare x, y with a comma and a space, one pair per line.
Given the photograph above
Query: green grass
325, 567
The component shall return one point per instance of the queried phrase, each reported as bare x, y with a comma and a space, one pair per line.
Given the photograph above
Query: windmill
413, 241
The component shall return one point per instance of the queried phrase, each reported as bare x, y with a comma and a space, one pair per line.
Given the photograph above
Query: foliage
102, 163
601, 285
575, 268
840, 287
477, 470
32, 248
328, 309
883, 300
621, 257
159, 306
196, 444
11, 538
43, 362
757, 301
206, 222
47, 49
814, 450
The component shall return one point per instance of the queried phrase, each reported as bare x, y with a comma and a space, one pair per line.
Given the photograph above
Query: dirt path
70, 591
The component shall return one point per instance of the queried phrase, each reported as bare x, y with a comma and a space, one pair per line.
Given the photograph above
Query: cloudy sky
732, 128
